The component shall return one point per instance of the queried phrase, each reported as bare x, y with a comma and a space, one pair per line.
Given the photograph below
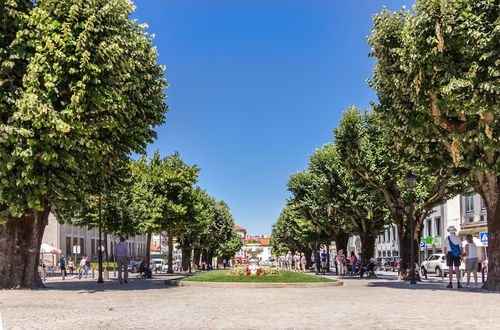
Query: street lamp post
411, 181
100, 279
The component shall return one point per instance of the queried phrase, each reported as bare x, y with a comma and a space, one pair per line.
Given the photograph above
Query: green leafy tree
368, 152
353, 204
227, 249
80, 91
437, 77
164, 194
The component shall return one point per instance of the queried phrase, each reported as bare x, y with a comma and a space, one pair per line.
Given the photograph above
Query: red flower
258, 271
248, 271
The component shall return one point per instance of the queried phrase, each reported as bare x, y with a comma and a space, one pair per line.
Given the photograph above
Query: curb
252, 285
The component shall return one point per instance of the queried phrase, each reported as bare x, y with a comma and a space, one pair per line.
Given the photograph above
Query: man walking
453, 251
121, 253
62, 264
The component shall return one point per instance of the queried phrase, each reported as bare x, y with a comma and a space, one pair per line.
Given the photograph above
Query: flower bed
245, 270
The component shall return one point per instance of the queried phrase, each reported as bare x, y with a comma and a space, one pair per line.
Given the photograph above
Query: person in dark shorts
453, 251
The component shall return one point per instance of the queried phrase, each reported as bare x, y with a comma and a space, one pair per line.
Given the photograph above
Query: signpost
423, 245
483, 236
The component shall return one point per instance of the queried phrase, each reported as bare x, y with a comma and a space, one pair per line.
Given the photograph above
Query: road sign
76, 249
483, 236
423, 244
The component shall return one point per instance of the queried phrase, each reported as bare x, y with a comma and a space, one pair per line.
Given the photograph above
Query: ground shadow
91, 286
430, 285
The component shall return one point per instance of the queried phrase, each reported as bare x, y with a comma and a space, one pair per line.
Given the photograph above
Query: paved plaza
383, 303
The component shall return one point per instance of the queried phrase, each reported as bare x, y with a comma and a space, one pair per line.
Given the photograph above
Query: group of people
296, 261
68, 266
455, 253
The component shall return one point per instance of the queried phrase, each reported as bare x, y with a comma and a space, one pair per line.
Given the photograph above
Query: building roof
265, 241
154, 248
238, 228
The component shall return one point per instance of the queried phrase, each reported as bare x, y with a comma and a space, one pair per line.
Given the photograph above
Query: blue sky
255, 87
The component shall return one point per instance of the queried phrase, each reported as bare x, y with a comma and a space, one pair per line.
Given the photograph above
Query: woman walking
71, 266
303, 262
341, 263
296, 259
471, 263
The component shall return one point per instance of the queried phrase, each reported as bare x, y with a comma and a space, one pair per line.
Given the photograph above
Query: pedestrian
121, 253
62, 264
296, 261
289, 260
83, 271
472, 261
71, 266
224, 261
453, 251
303, 262
87, 266
323, 257
353, 262
341, 260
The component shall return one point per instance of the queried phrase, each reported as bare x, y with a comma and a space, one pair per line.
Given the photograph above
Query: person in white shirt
122, 256
453, 251
472, 261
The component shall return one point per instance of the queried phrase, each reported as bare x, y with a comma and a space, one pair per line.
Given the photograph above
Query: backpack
455, 249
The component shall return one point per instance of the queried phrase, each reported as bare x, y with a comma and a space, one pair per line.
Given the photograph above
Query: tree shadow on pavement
85, 286
426, 285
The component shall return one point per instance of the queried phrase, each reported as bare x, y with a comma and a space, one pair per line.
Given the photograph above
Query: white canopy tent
45, 248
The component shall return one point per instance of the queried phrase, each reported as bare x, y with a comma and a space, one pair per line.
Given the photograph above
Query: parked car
157, 264
133, 266
392, 264
436, 264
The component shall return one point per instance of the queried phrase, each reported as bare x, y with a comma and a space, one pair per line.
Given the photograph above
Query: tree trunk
405, 252
20, 240
148, 249
196, 259
170, 238
308, 253
186, 258
367, 247
341, 239
489, 188
204, 260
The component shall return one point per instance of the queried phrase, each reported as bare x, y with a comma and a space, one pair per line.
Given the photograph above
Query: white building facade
65, 236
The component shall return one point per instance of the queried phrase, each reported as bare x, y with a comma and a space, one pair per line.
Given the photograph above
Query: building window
483, 206
469, 204
379, 253
437, 222
82, 247
68, 246
429, 228
92, 246
393, 233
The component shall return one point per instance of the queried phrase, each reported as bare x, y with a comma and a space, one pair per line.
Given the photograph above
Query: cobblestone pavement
383, 303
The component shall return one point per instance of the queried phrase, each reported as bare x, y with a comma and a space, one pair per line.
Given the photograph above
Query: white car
436, 263
157, 264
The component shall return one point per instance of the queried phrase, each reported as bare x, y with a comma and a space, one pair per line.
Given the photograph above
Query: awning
45, 248
474, 231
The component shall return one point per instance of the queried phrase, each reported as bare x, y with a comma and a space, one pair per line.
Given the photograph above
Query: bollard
63, 274
106, 275
482, 275
93, 269
44, 275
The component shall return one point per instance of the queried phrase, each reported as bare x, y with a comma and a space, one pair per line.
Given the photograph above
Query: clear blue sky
256, 86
